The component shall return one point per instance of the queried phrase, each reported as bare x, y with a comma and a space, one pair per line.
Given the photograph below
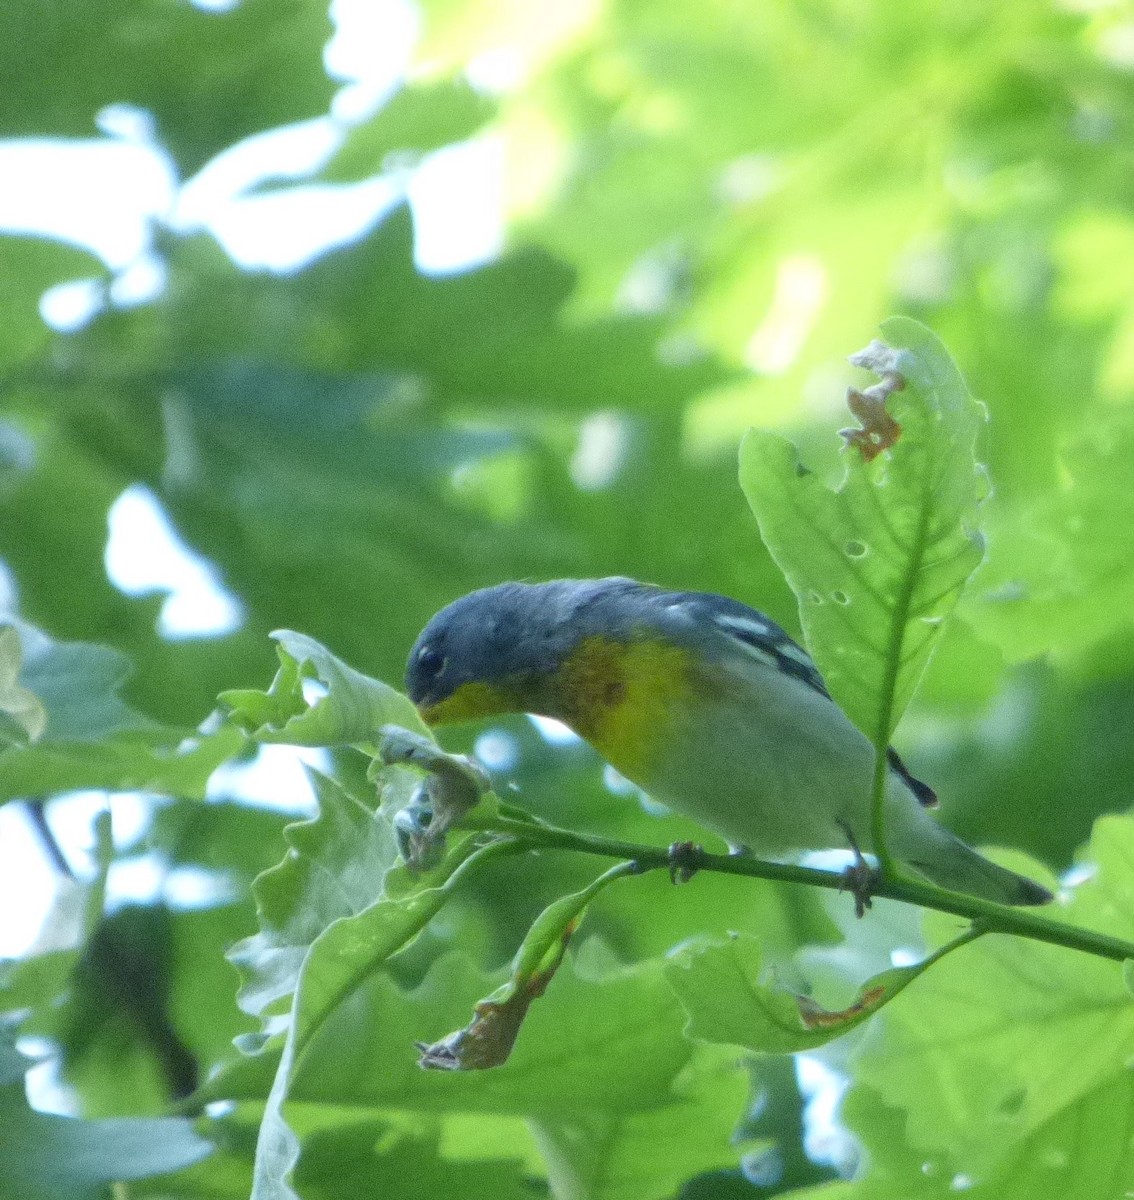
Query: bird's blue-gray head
498, 649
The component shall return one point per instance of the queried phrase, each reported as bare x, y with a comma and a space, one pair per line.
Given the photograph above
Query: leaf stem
313, 1023
37, 815
987, 916
886, 721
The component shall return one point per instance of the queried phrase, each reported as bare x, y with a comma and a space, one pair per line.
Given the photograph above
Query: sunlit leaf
1013, 1033
350, 707
877, 565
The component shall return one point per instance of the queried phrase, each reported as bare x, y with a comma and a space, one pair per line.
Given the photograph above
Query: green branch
987, 917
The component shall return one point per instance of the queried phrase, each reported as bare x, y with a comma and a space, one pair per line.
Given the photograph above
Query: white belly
776, 767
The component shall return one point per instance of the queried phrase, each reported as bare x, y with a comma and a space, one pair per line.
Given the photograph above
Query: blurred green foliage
709, 207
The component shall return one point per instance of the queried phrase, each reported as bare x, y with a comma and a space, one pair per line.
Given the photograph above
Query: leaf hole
856, 549
814, 597
840, 597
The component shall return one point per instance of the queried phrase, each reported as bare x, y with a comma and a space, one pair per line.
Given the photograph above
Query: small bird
704, 703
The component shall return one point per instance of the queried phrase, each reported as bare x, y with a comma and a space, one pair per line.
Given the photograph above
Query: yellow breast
620, 695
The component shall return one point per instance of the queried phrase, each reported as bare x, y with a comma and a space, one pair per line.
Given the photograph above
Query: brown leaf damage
488, 1038
877, 430
814, 1016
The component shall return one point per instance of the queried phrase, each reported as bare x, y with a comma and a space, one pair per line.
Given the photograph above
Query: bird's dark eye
430, 660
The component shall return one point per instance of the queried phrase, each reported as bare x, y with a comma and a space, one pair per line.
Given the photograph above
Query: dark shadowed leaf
418, 119
209, 78
62, 1158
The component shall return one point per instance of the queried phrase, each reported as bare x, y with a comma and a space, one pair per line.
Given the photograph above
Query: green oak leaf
1012, 1033
262, 63
631, 1113
605, 1038
374, 1158
648, 1155
350, 710
340, 960
602, 1054
1060, 576
878, 564
417, 119
334, 867
1085, 1152
90, 736
488, 1039
35, 982
720, 986
331, 913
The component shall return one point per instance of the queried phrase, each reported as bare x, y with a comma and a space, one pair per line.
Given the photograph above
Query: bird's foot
859, 878
684, 861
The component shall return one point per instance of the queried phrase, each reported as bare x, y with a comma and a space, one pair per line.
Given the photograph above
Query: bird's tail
944, 859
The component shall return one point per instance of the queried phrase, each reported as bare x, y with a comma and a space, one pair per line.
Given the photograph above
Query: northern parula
704, 703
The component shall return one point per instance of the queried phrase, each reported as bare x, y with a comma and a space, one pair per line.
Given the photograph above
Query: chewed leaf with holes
720, 986
877, 564
342, 707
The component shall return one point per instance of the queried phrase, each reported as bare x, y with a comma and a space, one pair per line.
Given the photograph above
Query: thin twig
988, 916
38, 818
